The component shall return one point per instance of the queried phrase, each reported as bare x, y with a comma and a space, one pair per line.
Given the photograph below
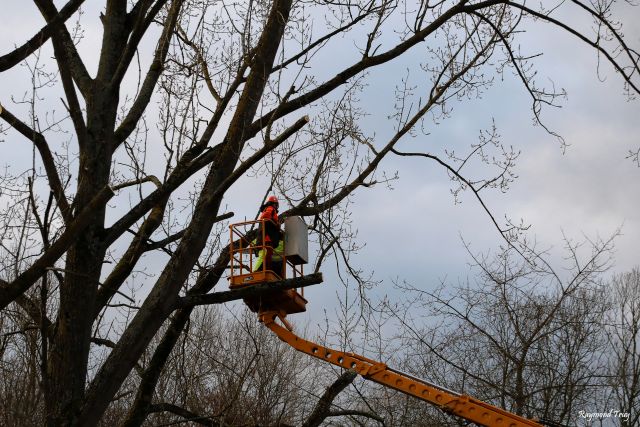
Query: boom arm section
454, 403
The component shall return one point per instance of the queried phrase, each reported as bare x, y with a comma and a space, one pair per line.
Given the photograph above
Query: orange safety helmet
272, 199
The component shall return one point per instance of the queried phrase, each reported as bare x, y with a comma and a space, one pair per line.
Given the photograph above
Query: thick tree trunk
67, 364
68, 357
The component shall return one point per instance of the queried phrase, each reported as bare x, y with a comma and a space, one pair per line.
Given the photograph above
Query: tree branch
21, 53
354, 412
10, 291
364, 64
47, 160
141, 22
66, 52
155, 70
149, 378
250, 291
184, 413
322, 408
184, 171
594, 44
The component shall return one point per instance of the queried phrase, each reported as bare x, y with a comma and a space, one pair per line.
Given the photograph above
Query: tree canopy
145, 117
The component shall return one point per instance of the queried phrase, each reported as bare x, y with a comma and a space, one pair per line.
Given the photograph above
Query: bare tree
623, 337
522, 336
227, 370
238, 89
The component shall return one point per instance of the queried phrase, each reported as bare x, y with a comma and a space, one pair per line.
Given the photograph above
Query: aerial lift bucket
249, 267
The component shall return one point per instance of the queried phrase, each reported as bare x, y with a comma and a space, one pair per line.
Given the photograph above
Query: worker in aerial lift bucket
272, 233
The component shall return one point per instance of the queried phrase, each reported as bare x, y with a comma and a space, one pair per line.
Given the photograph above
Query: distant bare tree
521, 336
20, 397
231, 371
623, 336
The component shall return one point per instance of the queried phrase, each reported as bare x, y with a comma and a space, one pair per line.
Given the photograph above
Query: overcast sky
414, 231
591, 190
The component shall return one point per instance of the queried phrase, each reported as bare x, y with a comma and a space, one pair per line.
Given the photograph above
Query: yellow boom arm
454, 403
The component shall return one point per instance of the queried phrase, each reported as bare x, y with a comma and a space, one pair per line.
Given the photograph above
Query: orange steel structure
244, 257
281, 303
449, 401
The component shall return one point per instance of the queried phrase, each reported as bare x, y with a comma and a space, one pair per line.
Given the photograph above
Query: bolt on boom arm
449, 401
